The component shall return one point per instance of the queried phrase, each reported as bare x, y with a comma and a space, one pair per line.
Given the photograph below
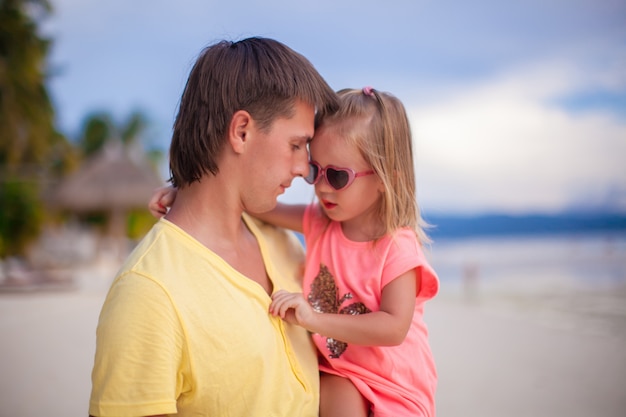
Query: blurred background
518, 111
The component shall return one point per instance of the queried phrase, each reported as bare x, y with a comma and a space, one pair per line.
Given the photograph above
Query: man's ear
239, 130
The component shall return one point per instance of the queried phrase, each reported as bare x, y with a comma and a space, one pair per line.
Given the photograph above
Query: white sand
492, 363
498, 363
46, 353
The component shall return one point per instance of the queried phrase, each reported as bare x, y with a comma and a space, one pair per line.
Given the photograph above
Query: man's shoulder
158, 244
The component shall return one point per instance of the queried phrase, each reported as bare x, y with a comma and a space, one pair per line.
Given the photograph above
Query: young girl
366, 278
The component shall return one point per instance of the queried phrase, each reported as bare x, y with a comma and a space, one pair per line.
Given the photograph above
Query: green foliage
133, 127
29, 137
139, 223
32, 152
21, 217
100, 127
97, 129
31, 148
97, 220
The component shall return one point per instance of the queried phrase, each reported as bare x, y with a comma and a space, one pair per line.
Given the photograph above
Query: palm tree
98, 128
30, 146
29, 141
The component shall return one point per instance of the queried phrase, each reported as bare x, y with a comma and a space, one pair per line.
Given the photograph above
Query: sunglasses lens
337, 178
313, 173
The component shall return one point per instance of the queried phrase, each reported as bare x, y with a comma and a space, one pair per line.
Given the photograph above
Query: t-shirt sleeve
139, 351
405, 254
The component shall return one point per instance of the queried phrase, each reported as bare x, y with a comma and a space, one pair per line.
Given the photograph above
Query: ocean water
569, 280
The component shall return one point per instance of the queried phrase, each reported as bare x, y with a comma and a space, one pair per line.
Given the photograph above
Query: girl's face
356, 204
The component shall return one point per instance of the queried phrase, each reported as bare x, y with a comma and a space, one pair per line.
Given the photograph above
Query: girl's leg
340, 398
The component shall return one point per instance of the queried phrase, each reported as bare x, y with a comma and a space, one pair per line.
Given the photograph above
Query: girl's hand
291, 307
161, 200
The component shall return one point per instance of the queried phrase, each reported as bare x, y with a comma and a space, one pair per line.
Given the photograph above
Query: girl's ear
239, 130
393, 182
381, 186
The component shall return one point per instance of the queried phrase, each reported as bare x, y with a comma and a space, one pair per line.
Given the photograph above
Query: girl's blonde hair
377, 124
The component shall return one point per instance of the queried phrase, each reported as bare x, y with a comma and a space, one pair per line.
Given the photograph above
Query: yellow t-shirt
182, 332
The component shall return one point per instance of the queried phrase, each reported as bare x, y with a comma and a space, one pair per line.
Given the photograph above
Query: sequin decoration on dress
324, 298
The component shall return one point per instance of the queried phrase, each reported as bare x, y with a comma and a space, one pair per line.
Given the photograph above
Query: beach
497, 363
498, 354
491, 363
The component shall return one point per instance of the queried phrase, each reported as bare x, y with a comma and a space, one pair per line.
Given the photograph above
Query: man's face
276, 157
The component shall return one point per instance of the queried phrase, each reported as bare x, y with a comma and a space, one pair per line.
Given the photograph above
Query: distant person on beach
366, 279
185, 327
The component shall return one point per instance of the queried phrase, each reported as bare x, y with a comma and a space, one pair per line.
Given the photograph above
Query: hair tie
368, 91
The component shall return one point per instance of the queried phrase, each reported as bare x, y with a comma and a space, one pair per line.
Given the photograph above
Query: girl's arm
387, 327
288, 216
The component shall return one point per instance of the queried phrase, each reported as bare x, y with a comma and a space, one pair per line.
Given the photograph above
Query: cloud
515, 105
505, 145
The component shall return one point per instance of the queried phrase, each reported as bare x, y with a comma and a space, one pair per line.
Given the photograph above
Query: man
185, 328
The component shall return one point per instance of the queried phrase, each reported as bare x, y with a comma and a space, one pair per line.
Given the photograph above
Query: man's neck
208, 213
217, 224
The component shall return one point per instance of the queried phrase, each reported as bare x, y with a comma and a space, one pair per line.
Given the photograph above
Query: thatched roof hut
110, 180
113, 181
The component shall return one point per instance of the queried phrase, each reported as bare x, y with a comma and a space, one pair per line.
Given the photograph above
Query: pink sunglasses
338, 178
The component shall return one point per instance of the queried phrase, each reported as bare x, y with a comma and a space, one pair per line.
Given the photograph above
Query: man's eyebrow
305, 137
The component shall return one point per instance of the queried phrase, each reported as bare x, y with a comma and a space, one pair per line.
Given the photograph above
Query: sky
515, 107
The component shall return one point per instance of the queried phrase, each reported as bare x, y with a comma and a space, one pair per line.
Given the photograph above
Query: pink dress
347, 277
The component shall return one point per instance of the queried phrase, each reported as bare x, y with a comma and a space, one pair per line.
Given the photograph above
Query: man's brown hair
259, 75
